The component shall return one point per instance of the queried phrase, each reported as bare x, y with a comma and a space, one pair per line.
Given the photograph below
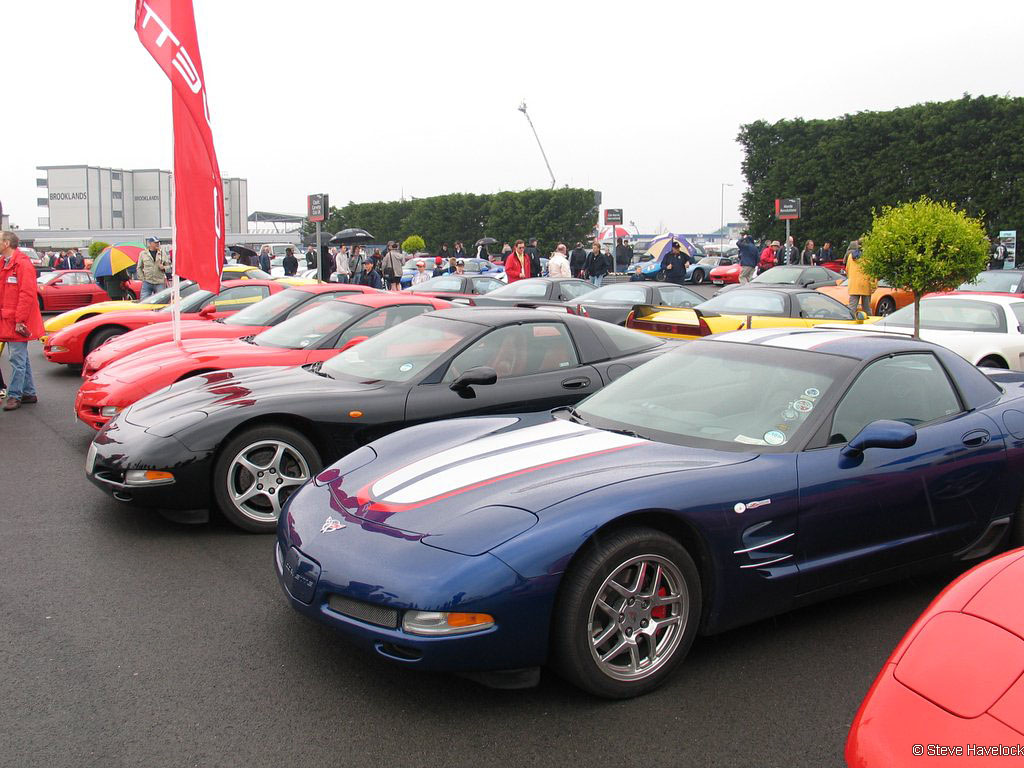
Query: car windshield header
310, 328
759, 398
402, 351
952, 314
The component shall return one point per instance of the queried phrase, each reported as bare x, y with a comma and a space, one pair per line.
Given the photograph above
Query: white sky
363, 100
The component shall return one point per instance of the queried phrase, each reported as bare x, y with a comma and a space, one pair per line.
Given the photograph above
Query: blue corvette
600, 540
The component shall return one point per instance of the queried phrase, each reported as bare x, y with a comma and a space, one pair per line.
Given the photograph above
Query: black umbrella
241, 250
351, 236
486, 241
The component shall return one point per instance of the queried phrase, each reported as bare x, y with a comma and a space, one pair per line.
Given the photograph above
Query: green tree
924, 246
413, 244
966, 151
96, 248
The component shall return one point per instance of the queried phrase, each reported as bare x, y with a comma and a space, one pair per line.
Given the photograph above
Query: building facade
83, 197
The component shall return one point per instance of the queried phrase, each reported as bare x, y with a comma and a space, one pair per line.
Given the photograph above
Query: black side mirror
883, 433
475, 377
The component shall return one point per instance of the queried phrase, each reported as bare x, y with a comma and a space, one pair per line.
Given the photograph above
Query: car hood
424, 479
239, 388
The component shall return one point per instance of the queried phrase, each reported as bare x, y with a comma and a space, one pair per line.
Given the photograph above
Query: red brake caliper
660, 611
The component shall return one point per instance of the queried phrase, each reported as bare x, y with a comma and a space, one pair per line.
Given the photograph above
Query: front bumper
69, 355
361, 579
121, 446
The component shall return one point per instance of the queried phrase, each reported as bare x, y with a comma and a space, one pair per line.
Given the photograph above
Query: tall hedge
549, 215
969, 152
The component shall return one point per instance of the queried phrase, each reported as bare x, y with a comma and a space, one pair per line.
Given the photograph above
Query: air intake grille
371, 614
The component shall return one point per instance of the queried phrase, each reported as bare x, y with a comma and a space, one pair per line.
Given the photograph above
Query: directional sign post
316, 210
787, 209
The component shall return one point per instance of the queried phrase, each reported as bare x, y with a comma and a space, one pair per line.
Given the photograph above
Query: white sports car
984, 329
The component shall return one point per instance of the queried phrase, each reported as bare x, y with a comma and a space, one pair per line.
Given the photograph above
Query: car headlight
434, 623
58, 348
147, 477
110, 410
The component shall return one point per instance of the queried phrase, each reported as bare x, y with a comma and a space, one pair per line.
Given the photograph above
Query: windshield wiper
316, 368
627, 432
574, 415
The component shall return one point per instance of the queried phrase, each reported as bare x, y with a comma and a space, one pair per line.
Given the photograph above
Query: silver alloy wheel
638, 617
262, 476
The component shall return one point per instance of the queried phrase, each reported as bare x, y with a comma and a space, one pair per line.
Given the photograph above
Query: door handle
580, 383
976, 438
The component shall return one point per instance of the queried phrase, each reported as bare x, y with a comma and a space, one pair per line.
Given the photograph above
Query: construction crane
522, 108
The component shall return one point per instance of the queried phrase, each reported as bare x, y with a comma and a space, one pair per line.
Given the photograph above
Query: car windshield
164, 296
748, 301
442, 283
756, 396
780, 275
993, 281
402, 351
952, 314
533, 289
309, 328
263, 312
709, 261
194, 301
620, 293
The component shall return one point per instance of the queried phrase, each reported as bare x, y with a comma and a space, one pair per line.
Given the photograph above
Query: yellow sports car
753, 307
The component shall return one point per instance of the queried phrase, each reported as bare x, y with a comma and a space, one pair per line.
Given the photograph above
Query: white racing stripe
553, 429
488, 468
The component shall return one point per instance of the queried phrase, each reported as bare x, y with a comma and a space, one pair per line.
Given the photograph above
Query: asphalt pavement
127, 640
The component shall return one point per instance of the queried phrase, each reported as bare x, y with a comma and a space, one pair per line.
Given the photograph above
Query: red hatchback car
65, 289
246, 322
70, 345
309, 337
952, 693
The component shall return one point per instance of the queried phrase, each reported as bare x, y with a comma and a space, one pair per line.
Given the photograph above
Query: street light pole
522, 108
722, 228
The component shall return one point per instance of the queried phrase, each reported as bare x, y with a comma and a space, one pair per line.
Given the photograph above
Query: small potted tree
922, 247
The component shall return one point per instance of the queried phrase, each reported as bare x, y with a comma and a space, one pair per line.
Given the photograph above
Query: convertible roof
858, 342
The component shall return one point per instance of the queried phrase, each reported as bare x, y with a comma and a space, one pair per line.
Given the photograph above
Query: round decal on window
774, 437
405, 367
803, 406
812, 392
789, 414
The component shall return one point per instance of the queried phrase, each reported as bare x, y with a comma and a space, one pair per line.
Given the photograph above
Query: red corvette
65, 289
72, 344
251, 320
725, 275
952, 693
310, 337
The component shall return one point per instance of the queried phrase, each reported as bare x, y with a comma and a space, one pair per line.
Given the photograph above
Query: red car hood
725, 270
129, 319
160, 333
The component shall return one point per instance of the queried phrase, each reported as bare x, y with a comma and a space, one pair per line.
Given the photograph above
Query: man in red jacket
20, 321
517, 265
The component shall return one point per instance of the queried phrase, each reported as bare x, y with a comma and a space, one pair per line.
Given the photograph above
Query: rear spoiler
684, 322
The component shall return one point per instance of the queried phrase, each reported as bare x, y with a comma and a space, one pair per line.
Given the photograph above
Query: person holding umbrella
674, 264
151, 269
481, 247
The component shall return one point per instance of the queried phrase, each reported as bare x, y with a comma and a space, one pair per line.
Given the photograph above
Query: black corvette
537, 292
612, 303
247, 439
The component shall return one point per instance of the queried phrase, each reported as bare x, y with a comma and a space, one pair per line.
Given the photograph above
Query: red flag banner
167, 29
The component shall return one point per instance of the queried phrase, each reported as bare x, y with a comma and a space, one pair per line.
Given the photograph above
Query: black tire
992, 361
886, 306
102, 336
259, 513
575, 648
699, 276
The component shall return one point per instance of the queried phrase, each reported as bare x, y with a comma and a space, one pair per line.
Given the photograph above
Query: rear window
619, 341
747, 301
993, 281
952, 315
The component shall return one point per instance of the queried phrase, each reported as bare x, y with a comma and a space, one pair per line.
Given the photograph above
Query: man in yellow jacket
859, 285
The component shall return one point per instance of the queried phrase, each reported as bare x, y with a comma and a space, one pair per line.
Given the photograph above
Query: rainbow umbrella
116, 258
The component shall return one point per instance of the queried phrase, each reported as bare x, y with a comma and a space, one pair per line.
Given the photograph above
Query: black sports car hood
239, 389
419, 480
